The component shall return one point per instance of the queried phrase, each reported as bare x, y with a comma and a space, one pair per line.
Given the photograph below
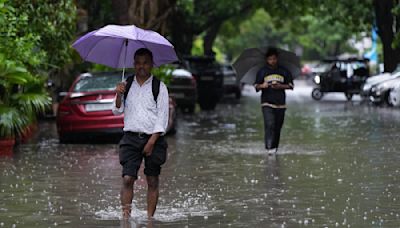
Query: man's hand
276, 86
120, 89
148, 148
280, 86
262, 86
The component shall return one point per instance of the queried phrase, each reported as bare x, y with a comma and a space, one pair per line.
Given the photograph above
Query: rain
337, 167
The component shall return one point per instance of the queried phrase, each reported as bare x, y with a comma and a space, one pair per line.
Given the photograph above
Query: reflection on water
338, 166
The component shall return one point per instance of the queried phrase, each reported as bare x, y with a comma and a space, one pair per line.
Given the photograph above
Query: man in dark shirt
273, 80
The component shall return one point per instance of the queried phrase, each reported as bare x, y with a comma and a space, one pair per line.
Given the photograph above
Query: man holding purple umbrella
145, 123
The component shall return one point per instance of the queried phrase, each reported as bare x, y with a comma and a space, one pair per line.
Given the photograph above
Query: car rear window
203, 65
97, 82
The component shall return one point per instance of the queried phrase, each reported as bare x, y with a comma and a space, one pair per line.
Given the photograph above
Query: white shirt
141, 113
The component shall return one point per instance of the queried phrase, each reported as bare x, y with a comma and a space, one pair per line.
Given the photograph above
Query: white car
378, 79
380, 93
394, 96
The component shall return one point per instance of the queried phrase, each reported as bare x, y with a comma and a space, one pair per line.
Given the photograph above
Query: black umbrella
253, 59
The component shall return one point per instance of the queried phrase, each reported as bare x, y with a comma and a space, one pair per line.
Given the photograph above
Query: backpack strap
129, 81
155, 87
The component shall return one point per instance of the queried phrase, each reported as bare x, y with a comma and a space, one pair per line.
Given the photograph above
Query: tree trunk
386, 31
337, 48
144, 14
120, 10
184, 27
210, 37
181, 33
183, 43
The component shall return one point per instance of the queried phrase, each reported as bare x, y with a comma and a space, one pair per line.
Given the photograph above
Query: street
337, 166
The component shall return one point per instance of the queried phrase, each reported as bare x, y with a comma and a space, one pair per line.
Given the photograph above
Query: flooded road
338, 166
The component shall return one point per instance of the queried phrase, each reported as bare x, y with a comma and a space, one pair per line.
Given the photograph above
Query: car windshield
97, 82
228, 71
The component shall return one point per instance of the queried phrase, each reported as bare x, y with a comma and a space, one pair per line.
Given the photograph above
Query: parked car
183, 88
375, 80
86, 108
231, 84
209, 80
394, 96
380, 92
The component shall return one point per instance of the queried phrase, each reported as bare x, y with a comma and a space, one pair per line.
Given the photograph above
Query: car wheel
190, 109
207, 106
393, 99
65, 139
208, 101
387, 99
238, 95
316, 94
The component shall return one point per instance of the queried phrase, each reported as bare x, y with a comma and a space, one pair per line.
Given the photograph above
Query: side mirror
62, 94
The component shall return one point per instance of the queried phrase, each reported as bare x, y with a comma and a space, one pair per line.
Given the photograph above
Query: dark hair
271, 51
142, 52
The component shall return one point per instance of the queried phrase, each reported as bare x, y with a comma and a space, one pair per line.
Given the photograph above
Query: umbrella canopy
115, 45
253, 59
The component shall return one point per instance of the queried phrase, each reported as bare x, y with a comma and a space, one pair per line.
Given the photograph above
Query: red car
86, 108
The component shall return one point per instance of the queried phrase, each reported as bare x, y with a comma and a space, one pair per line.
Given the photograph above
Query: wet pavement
337, 167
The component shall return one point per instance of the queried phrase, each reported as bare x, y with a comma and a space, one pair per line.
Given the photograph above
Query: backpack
155, 87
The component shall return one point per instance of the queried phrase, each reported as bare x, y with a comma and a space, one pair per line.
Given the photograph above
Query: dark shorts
131, 155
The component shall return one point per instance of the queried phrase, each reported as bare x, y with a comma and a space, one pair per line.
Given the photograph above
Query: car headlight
380, 88
366, 87
383, 86
317, 79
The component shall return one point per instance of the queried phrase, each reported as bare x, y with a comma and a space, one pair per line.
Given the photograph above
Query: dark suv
209, 79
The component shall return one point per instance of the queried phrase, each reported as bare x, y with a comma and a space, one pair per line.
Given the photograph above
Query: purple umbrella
114, 46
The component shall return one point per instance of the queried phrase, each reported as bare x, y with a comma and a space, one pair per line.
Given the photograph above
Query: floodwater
338, 166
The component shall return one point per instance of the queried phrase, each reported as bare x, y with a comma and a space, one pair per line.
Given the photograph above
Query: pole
123, 69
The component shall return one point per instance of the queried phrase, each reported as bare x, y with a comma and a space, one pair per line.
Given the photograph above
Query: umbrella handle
123, 69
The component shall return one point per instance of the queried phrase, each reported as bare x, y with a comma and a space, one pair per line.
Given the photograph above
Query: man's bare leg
127, 195
152, 195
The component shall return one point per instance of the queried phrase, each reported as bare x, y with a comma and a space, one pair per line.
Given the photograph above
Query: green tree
55, 29
145, 14
205, 17
98, 13
35, 39
37, 35
22, 96
361, 16
257, 31
320, 40
15, 42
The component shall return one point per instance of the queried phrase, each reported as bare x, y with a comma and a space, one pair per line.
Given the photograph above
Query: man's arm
118, 100
260, 83
162, 120
118, 106
282, 86
261, 86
